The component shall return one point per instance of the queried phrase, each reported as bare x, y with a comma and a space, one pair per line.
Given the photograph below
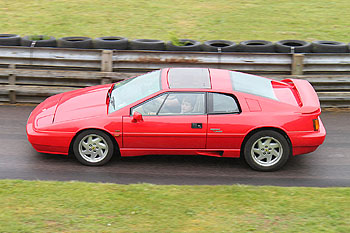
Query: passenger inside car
187, 105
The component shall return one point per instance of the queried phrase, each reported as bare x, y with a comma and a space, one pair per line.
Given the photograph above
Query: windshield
133, 89
252, 84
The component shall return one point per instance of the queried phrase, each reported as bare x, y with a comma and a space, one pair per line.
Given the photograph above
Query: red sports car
182, 111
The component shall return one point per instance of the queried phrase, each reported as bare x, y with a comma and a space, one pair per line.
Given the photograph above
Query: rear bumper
306, 142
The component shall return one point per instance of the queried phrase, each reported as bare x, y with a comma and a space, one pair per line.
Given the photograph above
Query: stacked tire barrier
10, 40
122, 43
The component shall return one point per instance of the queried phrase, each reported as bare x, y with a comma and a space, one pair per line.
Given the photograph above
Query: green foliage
175, 40
38, 37
32, 206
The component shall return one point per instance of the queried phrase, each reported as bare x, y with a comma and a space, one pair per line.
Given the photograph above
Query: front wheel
266, 151
93, 148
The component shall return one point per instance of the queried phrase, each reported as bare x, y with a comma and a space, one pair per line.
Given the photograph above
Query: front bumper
50, 142
42, 139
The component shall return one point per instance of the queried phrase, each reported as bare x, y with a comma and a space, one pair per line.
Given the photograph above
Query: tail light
316, 124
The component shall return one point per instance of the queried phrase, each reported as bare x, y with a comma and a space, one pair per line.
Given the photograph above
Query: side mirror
137, 117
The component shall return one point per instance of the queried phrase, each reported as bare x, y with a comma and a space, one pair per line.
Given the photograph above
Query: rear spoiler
308, 99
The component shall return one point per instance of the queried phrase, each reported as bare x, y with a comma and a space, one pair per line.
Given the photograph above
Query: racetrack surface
326, 167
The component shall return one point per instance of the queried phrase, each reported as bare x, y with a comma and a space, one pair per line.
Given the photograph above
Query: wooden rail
29, 75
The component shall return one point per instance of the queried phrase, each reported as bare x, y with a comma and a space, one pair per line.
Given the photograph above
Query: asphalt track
329, 166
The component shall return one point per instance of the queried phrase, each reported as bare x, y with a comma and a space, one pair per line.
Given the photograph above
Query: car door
167, 122
225, 122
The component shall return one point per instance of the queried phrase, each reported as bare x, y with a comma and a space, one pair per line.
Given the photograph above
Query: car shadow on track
196, 162
181, 170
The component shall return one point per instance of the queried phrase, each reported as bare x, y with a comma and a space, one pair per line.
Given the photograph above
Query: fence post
106, 64
12, 81
297, 64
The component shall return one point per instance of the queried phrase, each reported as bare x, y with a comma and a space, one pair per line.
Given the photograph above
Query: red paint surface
53, 124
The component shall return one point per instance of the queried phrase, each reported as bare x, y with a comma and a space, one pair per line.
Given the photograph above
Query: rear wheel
93, 148
266, 150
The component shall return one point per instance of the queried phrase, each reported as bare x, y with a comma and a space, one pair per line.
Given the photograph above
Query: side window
184, 104
150, 107
221, 103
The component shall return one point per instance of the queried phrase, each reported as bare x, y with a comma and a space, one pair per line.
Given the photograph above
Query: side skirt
128, 152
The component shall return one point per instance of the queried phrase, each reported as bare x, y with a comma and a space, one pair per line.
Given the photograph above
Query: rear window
252, 84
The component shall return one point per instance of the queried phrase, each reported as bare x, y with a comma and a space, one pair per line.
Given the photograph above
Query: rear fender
252, 132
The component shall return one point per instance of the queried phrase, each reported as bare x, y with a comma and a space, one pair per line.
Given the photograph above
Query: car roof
189, 78
220, 80
198, 78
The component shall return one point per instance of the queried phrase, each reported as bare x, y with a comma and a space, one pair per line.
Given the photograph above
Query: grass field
235, 20
28, 206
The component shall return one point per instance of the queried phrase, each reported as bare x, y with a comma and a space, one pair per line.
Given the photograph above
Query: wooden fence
29, 75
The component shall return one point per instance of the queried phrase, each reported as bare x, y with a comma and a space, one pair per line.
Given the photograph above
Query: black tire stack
75, 42
184, 45
39, 41
219, 46
293, 46
111, 42
10, 40
324, 46
256, 46
122, 43
147, 44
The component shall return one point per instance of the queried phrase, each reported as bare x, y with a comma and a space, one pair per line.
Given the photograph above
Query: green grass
39, 37
31, 206
202, 20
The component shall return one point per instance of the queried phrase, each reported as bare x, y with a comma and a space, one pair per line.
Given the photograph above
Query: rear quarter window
222, 104
252, 84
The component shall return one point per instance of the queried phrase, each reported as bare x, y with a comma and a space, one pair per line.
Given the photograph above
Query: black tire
257, 155
75, 42
147, 44
10, 40
42, 41
259, 46
189, 45
287, 46
94, 153
325, 46
219, 45
111, 42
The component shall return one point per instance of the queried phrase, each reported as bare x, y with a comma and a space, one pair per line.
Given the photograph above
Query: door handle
196, 125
